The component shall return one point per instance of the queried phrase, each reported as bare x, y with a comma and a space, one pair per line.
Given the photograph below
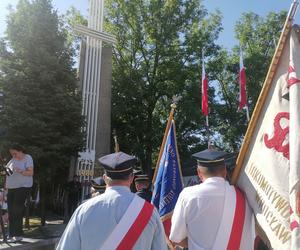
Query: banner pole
170, 118
208, 134
247, 113
117, 147
267, 84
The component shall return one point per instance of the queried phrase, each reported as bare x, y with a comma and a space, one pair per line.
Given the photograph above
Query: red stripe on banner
294, 224
292, 80
137, 227
238, 222
167, 226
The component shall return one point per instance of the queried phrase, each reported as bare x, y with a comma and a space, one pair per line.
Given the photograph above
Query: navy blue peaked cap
137, 172
98, 183
118, 164
210, 158
141, 178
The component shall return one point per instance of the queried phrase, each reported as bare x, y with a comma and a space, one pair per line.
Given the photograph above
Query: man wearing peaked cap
209, 215
98, 183
116, 219
142, 185
98, 186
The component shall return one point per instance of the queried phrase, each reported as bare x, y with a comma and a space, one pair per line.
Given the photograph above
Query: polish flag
242, 81
204, 91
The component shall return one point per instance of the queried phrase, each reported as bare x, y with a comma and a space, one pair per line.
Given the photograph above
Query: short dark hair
118, 176
212, 170
17, 147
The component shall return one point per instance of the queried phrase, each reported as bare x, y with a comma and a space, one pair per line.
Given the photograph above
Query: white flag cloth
271, 167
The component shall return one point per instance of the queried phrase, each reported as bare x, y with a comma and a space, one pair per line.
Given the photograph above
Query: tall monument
95, 77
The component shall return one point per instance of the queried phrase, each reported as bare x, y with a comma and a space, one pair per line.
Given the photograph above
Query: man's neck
215, 176
118, 183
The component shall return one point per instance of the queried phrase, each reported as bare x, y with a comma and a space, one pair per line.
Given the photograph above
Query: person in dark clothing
74, 194
142, 185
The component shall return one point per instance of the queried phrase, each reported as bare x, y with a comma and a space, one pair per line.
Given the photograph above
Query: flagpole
267, 84
247, 113
207, 132
117, 148
170, 118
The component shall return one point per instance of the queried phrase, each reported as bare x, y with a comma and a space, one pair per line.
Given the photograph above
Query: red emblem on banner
280, 135
292, 77
293, 222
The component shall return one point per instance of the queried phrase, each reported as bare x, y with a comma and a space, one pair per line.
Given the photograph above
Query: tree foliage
258, 37
157, 56
42, 109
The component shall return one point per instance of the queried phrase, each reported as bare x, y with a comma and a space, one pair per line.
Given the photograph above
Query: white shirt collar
119, 188
214, 179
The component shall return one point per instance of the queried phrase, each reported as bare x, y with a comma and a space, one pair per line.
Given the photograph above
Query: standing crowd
212, 215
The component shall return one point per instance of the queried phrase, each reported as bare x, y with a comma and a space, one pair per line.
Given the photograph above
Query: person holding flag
212, 215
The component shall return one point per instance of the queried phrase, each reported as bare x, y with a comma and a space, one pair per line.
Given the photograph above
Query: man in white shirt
214, 214
116, 219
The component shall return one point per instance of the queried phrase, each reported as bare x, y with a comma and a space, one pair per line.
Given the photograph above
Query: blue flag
168, 183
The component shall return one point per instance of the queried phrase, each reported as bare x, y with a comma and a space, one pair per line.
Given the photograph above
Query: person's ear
104, 176
131, 178
200, 175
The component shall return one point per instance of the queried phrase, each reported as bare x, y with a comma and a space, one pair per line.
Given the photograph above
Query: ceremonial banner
270, 167
168, 183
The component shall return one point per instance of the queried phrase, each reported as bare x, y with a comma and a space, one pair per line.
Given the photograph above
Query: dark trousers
15, 205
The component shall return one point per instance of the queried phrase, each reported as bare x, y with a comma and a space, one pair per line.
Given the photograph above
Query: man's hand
27, 172
18, 170
183, 243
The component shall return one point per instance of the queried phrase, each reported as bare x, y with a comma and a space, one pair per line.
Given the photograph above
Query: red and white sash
131, 225
236, 230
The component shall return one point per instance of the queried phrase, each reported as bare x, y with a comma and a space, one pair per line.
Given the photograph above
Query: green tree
157, 56
42, 109
258, 37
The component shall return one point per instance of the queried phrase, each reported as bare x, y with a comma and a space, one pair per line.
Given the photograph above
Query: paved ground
38, 237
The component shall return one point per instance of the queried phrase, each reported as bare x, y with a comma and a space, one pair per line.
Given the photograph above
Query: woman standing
18, 183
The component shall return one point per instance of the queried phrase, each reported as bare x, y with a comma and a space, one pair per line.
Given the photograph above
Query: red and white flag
204, 90
242, 82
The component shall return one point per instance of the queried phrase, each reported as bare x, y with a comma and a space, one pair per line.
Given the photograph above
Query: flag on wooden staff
168, 179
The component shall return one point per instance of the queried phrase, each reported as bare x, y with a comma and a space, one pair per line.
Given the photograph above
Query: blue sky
231, 10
